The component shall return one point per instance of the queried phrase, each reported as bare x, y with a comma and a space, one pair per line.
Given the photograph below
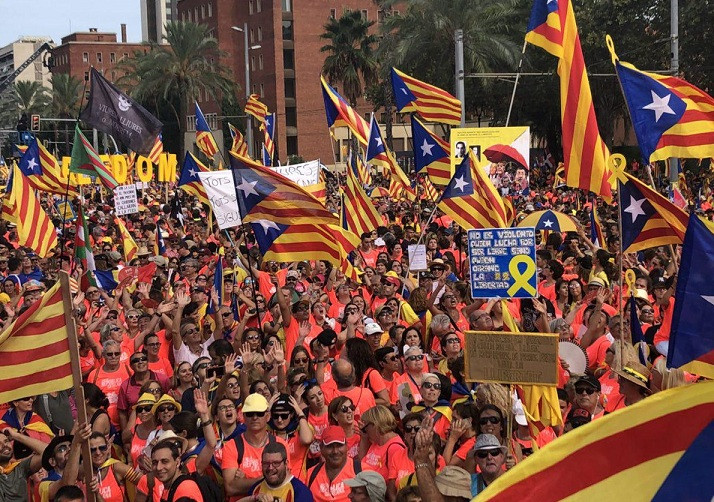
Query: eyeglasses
291, 279
102, 448
226, 407
281, 416
134, 317
485, 453
61, 449
448, 297
190, 331
435, 269
226, 314
273, 464
141, 359
415, 358
143, 409
489, 420
647, 311
412, 428
157, 391
302, 360
232, 385
254, 414
588, 390
168, 407
113, 354
347, 408
350, 311
252, 337
429, 385
453, 340
111, 316
155, 344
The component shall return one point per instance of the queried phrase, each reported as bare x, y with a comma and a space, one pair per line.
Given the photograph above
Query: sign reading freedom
512, 358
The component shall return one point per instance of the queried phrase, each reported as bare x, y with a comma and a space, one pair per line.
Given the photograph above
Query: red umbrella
504, 153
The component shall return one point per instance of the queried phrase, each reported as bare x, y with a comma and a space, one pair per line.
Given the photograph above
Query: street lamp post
249, 120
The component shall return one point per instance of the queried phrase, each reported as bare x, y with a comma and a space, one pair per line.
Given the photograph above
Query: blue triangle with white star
376, 144
189, 170
426, 150
403, 96
251, 188
461, 183
635, 210
30, 163
266, 232
548, 221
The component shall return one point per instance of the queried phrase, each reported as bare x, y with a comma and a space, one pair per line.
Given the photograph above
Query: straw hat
636, 373
145, 398
166, 399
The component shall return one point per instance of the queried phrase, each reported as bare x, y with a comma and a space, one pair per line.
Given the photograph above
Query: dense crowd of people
299, 384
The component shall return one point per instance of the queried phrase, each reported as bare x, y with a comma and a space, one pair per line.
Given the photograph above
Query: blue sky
58, 18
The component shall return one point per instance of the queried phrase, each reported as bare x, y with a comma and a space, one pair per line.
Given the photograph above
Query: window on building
99, 57
114, 75
86, 76
251, 6
203, 12
287, 5
291, 144
210, 9
252, 63
288, 59
260, 61
365, 15
262, 91
258, 5
195, 14
287, 30
85, 57
333, 13
252, 36
190, 123
183, 17
112, 57
125, 55
260, 33
291, 116
289, 87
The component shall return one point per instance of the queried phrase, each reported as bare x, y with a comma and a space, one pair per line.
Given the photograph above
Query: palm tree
26, 97
66, 94
173, 75
421, 40
351, 58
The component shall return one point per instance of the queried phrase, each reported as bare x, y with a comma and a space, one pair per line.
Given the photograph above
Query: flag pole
621, 344
76, 378
515, 84
421, 236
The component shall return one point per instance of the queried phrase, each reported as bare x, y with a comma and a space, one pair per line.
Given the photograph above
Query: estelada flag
34, 349
111, 111
658, 449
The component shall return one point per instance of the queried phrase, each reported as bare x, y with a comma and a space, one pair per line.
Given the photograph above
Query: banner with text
307, 173
221, 194
503, 263
125, 201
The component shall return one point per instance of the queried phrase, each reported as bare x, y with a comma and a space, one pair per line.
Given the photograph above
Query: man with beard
61, 461
327, 479
14, 474
278, 483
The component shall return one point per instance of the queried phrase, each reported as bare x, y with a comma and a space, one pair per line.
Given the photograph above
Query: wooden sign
512, 358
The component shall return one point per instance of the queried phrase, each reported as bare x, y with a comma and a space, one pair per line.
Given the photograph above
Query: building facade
13, 55
154, 16
284, 61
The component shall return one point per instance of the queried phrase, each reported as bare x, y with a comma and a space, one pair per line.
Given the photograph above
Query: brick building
285, 63
79, 51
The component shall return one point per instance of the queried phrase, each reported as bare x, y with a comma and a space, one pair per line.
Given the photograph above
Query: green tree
66, 99
172, 76
25, 97
351, 58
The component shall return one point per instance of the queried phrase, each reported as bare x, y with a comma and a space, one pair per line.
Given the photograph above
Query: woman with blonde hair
182, 380
381, 447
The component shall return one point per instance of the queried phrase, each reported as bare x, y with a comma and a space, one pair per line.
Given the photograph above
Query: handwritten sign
417, 257
502, 263
125, 201
221, 194
516, 358
66, 211
307, 173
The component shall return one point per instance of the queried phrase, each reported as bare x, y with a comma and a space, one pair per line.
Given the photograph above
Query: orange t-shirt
188, 488
324, 490
252, 462
362, 398
110, 384
384, 458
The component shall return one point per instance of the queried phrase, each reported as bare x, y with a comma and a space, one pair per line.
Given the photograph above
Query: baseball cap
334, 434
327, 337
519, 413
372, 328
255, 402
293, 273
659, 282
589, 380
281, 404
373, 481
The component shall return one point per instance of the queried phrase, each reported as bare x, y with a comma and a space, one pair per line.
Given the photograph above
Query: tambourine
575, 356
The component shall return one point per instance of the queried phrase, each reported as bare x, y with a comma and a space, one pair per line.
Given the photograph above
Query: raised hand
200, 402
230, 364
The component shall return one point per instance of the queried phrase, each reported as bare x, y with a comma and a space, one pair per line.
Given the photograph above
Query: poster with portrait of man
503, 152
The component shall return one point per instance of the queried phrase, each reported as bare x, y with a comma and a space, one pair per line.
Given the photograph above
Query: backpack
208, 488
240, 445
356, 463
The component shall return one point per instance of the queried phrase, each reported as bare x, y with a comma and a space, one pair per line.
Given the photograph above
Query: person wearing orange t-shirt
166, 461
244, 453
381, 445
343, 384
109, 377
326, 479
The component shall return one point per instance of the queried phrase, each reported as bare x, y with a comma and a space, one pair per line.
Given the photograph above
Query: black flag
111, 111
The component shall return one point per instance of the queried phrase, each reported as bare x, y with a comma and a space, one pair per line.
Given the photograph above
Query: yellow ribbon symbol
521, 278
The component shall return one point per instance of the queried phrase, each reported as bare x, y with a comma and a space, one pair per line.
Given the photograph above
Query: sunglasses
485, 453
254, 414
453, 340
281, 416
112, 316
412, 428
163, 409
391, 359
143, 409
302, 307
190, 331
415, 358
202, 366
588, 390
113, 354
489, 420
102, 448
302, 360
252, 337
132, 317
346, 408
227, 314
156, 391
429, 385
647, 311
351, 311
139, 360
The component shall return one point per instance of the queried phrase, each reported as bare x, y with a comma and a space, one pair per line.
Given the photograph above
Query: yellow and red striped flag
317, 190
256, 108
204, 138
34, 349
128, 243
429, 101
552, 27
359, 169
358, 213
239, 145
339, 113
156, 150
624, 461
378, 153
43, 172
430, 191
21, 207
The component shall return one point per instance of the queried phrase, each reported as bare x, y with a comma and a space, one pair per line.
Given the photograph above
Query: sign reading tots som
503, 263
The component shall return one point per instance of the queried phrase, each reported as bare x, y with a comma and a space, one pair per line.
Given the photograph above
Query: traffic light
35, 122
22, 123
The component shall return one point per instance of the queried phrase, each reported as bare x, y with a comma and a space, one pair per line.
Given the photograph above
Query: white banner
307, 173
417, 257
221, 194
125, 201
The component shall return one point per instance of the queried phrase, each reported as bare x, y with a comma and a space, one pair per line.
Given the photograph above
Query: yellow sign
511, 358
144, 169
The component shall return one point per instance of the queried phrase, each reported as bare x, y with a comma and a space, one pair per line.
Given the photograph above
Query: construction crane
7, 81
